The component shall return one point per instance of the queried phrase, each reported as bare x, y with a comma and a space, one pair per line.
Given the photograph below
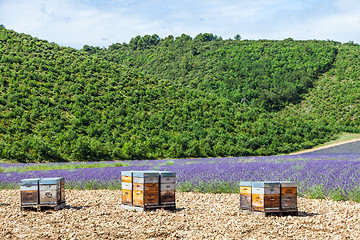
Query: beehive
245, 195
50, 191
288, 195
29, 191
167, 188
266, 196
127, 187
145, 188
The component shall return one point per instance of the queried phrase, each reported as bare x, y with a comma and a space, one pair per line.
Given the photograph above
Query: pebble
96, 214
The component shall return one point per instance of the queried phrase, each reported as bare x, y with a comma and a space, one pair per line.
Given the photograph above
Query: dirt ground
338, 143
96, 214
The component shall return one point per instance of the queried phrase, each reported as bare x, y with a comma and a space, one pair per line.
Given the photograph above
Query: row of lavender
336, 176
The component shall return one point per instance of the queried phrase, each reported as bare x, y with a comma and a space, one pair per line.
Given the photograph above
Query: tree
237, 37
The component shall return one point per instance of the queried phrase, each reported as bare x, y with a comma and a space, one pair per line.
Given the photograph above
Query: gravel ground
96, 214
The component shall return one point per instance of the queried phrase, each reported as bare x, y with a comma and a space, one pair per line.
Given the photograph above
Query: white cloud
101, 23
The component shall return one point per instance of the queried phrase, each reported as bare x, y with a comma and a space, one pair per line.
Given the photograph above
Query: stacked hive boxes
148, 189
245, 195
268, 197
289, 196
167, 188
126, 186
37, 192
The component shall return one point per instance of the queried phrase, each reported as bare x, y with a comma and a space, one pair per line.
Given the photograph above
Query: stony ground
96, 214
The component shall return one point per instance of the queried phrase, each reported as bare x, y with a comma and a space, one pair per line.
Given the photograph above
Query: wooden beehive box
167, 188
29, 191
50, 191
146, 189
127, 187
266, 196
245, 195
288, 195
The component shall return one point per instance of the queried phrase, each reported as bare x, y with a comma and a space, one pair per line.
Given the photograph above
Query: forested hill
173, 97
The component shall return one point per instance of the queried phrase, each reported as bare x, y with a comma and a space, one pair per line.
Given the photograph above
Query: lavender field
326, 175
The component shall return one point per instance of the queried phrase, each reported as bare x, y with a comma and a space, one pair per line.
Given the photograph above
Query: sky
75, 23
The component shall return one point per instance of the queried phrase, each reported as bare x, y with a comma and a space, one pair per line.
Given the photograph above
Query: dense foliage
170, 98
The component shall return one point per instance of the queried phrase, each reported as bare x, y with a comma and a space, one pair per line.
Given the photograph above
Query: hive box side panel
145, 198
288, 190
167, 187
257, 202
152, 187
62, 191
167, 198
127, 196
29, 197
167, 180
49, 194
245, 201
245, 189
145, 179
126, 185
127, 179
272, 201
289, 201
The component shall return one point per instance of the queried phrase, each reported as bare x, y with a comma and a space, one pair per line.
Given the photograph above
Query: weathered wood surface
167, 197
289, 201
151, 187
146, 180
127, 179
127, 197
145, 198
29, 197
245, 201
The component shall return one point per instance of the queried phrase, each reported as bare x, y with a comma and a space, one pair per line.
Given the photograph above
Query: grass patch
93, 185
209, 187
354, 195
46, 167
315, 192
170, 163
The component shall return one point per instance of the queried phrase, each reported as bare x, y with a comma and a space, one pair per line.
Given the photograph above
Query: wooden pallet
41, 207
148, 208
279, 213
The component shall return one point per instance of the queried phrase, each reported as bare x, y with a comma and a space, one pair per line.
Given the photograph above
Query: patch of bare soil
325, 146
96, 214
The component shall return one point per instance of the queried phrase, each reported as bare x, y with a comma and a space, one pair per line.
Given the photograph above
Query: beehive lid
145, 174
29, 181
167, 174
49, 180
265, 184
288, 184
127, 173
246, 183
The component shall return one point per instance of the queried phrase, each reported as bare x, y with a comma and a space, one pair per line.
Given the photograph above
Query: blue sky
76, 23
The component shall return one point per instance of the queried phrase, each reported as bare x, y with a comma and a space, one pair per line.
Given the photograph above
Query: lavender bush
336, 176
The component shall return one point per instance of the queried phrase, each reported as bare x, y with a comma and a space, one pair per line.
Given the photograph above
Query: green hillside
172, 98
